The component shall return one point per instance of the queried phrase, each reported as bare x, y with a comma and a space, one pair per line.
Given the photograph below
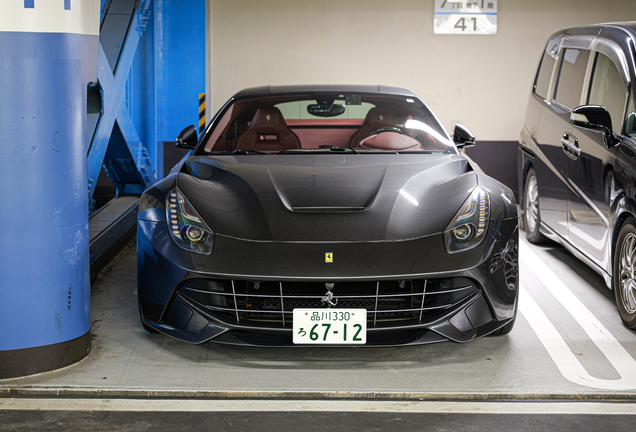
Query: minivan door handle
570, 146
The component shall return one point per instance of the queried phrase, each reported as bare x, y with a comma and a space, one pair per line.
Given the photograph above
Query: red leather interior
268, 132
376, 118
314, 138
390, 141
316, 132
354, 123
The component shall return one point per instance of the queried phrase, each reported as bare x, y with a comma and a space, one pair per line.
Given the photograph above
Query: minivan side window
545, 70
571, 76
607, 89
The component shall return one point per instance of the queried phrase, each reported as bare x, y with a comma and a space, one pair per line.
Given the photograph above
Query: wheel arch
619, 221
527, 164
627, 313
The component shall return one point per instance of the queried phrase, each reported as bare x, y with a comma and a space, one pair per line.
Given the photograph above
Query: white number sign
474, 17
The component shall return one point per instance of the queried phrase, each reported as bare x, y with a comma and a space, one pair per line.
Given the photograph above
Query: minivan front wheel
624, 279
532, 217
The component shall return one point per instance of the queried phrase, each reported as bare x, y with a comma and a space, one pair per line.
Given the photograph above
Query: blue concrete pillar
48, 55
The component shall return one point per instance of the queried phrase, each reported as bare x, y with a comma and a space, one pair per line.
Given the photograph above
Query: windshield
321, 122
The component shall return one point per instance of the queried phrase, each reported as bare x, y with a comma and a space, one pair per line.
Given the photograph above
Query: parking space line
189, 405
565, 360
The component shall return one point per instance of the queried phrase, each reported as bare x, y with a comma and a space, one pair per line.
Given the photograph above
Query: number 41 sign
466, 17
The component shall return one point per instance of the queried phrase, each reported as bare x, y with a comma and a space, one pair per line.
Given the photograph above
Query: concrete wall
480, 81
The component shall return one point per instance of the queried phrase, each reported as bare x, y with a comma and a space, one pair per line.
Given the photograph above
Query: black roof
327, 88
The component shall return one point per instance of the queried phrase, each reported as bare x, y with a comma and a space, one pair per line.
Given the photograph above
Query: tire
505, 329
624, 280
141, 316
531, 213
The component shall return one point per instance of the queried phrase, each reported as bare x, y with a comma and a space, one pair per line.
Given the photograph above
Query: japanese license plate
330, 326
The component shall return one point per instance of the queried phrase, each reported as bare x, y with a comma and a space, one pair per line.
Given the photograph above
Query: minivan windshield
324, 123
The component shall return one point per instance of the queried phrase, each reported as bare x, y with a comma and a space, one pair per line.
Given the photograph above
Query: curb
114, 393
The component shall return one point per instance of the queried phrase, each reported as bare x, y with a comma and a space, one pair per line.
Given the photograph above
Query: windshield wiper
321, 149
340, 149
245, 152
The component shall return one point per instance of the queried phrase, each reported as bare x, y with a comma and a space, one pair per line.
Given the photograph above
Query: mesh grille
407, 301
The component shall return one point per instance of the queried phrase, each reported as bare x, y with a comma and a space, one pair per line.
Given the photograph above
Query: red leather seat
391, 141
376, 118
268, 132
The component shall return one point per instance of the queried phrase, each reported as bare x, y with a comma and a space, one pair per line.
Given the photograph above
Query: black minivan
577, 153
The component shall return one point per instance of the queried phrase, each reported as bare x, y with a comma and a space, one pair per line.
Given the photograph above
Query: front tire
624, 280
531, 214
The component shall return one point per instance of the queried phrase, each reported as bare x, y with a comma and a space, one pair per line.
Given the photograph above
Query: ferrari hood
331, 197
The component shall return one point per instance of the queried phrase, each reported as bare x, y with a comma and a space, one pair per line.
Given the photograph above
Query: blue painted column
48, 55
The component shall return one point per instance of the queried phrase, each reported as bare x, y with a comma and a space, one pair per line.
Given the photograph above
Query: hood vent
327, 209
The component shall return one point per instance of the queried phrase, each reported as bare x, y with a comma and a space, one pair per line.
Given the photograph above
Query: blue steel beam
114, 90
156, 132
138, 151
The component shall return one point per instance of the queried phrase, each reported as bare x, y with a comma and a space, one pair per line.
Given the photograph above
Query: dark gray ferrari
332, 215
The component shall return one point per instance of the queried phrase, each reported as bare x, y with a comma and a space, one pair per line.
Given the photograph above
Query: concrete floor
568, 343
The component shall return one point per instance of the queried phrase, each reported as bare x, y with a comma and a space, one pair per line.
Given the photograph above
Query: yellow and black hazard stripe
201, 112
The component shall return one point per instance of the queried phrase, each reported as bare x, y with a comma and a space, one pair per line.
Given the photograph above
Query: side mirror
188, 138
594, 117
462, 137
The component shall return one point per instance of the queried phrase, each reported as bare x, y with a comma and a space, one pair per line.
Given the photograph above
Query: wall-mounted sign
468, 17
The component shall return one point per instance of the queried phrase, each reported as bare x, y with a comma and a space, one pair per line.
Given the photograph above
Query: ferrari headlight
470, 224
186, 227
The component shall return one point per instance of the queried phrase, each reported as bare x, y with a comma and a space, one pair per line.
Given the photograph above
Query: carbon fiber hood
327, 197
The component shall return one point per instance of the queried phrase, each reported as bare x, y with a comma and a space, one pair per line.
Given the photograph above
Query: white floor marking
563, 357
276, 405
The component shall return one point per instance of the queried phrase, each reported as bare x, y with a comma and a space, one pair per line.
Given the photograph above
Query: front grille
271, 303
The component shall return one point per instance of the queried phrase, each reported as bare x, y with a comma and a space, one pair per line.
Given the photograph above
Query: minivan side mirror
462, 137
594, 117
188, 138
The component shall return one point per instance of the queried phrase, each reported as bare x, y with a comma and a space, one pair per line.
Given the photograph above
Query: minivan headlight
187, 228
469, 226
